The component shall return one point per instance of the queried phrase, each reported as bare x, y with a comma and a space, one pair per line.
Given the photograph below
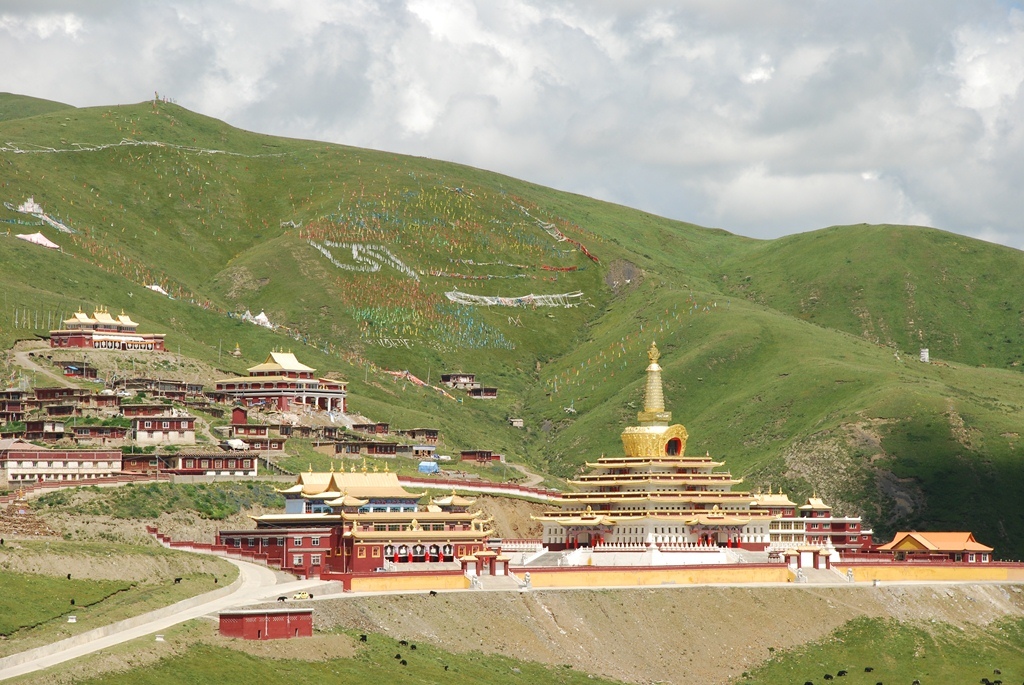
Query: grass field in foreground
29, 599
901, 653
127, 580
375, 662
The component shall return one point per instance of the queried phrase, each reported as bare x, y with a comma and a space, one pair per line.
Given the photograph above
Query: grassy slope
902, 653
770, 348
29, 599
375, 662
14, 106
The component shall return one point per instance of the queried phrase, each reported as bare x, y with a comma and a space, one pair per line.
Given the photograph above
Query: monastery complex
655, 495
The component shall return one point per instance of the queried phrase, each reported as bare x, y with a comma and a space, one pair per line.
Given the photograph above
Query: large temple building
283, 383
360, 522
657, 496
101, 331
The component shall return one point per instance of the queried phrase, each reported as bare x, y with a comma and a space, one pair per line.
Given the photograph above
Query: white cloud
761, 118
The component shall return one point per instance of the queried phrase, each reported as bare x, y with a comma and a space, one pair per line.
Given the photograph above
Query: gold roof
347, 500
935, 542
281, 361
815, 503
453, 500
773, 500
663, 478
358, 485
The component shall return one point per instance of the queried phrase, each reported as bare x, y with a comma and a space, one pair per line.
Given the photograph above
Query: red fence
48, 485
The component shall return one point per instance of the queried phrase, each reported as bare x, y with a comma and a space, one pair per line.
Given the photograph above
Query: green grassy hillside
18, 106
794, 359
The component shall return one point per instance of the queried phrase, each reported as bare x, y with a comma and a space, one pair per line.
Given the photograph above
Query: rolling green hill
794, 359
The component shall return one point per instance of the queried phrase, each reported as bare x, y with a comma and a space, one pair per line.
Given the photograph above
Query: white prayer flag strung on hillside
531, 300
39, 239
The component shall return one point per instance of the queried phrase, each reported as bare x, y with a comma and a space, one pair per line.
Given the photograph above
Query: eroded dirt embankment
676, 635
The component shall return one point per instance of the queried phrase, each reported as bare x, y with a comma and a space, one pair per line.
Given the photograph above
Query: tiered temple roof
654, 479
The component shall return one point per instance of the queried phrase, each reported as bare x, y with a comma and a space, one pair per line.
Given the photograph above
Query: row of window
270, 542
218, 463
187, 425
62, 465
274, 386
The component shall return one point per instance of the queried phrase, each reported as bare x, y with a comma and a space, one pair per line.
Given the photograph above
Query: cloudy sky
763, 118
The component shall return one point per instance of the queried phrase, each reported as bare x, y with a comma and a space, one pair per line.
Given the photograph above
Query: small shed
267, 624
428, 467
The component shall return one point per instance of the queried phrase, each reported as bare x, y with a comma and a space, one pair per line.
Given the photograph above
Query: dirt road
22, 359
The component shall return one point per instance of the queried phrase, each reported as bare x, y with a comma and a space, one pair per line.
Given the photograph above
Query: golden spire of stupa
654, 413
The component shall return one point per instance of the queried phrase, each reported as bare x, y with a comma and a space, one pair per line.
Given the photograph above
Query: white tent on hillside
39, 239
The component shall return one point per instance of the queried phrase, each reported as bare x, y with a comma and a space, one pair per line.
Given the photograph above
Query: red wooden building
481, 456
359, 522
427, 436
101, 331
267, 624
282, 383
192, 464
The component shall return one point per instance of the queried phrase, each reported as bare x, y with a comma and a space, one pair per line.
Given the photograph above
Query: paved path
256, 583
22, 359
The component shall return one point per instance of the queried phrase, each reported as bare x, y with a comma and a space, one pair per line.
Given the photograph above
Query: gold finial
353, 469
364, 464
332, 466
311, 467
375, 469
654, 397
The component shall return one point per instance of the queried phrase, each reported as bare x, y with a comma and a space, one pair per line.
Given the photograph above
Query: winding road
255, 583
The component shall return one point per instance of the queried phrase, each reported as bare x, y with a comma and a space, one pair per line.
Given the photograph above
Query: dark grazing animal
433, 593
840, 674
828, 676
404, 662
404, 643
412, 646
868, 669
69, 576
282, 598
177, 581
362, 638
398, 656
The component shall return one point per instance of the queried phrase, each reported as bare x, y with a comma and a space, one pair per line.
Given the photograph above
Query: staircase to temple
822, 576
498, 583
547, 559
